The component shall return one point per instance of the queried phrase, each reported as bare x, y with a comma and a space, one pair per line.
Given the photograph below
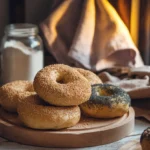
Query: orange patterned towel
89, 34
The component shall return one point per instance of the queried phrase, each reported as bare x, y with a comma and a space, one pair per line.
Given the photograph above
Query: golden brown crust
100, 111
14, 92
62, 85
37, 114
106, 101
90, 76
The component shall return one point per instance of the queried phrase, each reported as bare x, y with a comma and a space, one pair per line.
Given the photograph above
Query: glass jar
21, 53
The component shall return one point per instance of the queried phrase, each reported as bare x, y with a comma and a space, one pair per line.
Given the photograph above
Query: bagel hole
104, 92
61, 80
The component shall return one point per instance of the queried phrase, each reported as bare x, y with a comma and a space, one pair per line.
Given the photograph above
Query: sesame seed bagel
145, 139
62, 85
106, 101
90, 76
14, 92
37, 114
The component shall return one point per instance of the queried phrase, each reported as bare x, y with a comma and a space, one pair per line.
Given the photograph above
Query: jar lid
21, 30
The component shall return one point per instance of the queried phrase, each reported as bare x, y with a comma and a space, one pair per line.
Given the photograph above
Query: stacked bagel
54, 99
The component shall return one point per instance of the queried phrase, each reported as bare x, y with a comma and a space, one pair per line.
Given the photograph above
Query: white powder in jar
20, 62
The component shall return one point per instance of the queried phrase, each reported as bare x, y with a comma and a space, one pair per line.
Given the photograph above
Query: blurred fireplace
134, 13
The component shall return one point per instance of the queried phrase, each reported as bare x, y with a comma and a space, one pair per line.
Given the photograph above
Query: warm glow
134, 20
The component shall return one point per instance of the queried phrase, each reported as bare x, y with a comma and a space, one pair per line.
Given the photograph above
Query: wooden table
140, 125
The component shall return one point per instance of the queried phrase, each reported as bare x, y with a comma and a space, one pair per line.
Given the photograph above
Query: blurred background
134, 13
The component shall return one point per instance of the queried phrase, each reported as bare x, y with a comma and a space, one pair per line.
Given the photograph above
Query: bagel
145, 139
90, 76
62, 85
14, 92
37, 114
106, 101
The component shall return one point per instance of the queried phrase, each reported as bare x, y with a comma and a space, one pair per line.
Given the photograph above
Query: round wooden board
88, 132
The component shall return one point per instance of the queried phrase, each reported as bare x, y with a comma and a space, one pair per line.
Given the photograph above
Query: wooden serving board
88, 132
